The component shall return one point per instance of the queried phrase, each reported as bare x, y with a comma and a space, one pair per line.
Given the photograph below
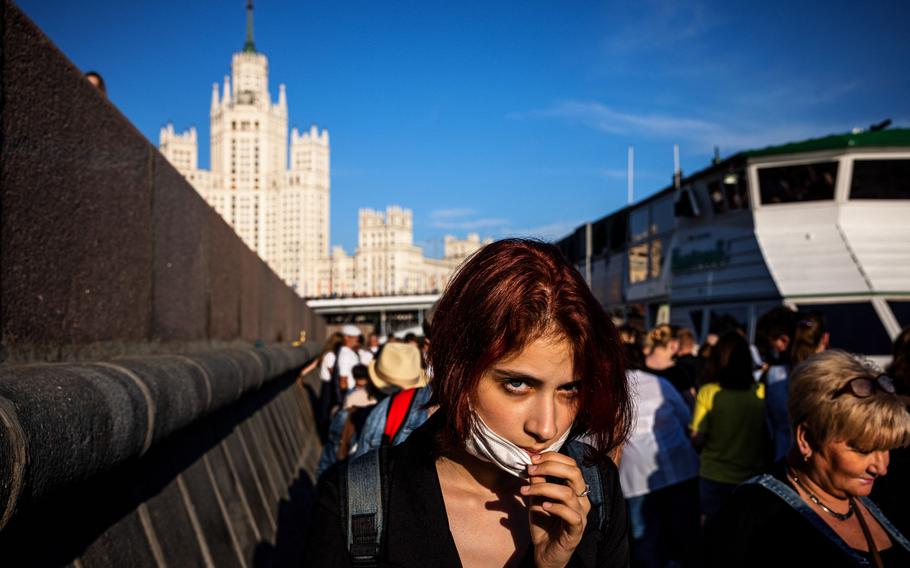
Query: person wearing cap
348, 357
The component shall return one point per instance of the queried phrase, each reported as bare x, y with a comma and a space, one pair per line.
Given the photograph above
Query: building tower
280, 213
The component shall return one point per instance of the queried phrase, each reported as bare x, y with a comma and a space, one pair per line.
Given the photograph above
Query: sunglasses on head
864, 387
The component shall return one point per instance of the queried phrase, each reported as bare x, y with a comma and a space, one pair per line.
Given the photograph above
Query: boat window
880, 179
662, 219
716, 197
638, 263
736, 190
790, 184
686, 204
638, 221
901, 310
657, 257
618, 233
854, 327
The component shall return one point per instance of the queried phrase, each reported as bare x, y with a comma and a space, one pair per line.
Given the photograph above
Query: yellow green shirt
731, 422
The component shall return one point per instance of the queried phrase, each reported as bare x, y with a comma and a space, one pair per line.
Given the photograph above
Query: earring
806, 456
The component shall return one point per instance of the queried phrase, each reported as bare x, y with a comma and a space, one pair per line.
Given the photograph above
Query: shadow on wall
209, 495
290, 539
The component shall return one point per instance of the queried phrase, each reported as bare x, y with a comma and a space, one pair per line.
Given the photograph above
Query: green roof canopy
866, 139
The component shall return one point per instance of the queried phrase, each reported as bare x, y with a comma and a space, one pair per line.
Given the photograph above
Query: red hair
507, 295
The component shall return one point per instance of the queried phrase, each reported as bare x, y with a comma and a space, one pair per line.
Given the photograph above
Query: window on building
662, 219
791, 184
657, 258
880, 179
843, 320
716, 197
649, 225
638, 223
618, 232
686, 204
638, 263
736, 190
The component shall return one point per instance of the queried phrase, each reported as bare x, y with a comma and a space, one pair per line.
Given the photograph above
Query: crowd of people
526, 428
765, 454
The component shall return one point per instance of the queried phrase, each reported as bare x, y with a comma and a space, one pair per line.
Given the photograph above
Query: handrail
62, 423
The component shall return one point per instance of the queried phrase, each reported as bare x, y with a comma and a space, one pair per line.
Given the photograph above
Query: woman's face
530, 398
845, 469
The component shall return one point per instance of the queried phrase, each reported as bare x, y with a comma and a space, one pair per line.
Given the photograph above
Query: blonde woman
814, 511
661, 347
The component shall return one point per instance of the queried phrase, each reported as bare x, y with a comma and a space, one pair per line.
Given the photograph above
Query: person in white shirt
659, 469
364, 352
348, 357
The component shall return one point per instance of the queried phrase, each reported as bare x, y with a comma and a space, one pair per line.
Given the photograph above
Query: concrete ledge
62, 424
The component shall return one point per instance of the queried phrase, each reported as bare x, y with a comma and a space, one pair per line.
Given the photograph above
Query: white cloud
602, 117
731, 135
659, 24
452, 213
469, 224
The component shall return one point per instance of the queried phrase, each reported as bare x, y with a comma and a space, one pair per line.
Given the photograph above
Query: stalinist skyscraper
280, 210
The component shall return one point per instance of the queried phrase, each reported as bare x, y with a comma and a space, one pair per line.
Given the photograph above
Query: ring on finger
585, 492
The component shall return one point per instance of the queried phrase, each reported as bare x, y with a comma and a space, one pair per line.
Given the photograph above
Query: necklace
817, 501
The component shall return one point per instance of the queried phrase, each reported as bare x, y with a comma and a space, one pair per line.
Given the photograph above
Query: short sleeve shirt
732, 423
347, 358
325, 368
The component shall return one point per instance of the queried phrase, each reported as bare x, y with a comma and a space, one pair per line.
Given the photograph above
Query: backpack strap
591, 474
399, 408
365, 491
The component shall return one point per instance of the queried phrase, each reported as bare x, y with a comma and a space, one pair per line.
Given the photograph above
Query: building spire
249, 46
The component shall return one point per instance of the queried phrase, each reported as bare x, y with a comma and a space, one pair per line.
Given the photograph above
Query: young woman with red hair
524, 361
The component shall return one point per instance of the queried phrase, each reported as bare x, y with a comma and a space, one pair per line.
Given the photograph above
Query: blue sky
506, 118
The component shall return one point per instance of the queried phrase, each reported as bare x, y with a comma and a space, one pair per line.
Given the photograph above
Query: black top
694, 367
756, 528
677, 375
892, 492
417, 529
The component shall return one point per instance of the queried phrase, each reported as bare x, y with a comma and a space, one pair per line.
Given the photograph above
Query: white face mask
486, 445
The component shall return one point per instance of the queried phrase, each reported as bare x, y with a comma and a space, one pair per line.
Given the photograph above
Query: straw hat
397, 367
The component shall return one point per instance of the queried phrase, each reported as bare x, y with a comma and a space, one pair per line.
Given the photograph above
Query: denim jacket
370, 436
793, 499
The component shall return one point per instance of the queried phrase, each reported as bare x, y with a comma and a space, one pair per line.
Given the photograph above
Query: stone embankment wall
106, 248
138, 424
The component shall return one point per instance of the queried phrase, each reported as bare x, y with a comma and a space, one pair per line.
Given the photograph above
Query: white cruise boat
821, 224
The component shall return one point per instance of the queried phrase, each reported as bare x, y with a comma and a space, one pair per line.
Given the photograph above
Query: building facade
275, 197
387, 262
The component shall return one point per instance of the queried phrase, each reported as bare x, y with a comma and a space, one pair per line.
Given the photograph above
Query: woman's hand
557, 513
